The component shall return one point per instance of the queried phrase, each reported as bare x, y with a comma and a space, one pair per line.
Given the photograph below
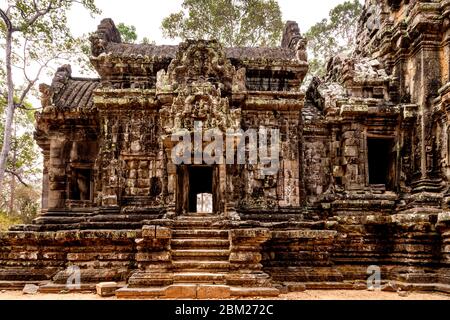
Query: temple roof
77, 93
126, 65
107, 41
170, 51
67, 92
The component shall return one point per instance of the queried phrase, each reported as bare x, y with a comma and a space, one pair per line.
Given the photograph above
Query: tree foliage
127, 32
333, 35
19, 202
35, 35
7, 221
232, 22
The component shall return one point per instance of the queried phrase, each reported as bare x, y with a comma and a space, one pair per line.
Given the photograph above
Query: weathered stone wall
43, 256
284, 188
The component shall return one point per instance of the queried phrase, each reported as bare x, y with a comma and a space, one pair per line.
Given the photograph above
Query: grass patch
6, 222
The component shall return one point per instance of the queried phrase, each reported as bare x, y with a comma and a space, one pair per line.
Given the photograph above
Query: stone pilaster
45, 178
57, 173
352, 154
245, 258
443, 225
153, 257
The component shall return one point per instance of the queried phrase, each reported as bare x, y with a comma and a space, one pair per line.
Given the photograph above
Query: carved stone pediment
199, 78
198, 60
199, 102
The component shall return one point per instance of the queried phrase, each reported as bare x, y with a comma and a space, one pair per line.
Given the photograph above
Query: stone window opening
80, 185
381, 162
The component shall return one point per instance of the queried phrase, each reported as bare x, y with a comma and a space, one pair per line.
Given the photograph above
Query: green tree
127, 32
232, 22
20, 202
330, 36
34, 34
146, 40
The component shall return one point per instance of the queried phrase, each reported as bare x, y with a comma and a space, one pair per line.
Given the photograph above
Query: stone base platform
195, 291
204, 257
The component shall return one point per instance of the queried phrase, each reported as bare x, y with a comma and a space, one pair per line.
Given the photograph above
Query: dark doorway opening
381, 162
200, 189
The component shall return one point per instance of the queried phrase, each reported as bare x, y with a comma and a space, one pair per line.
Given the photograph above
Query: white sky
146, 15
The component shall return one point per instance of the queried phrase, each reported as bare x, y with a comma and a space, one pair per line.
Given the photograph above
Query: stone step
200, 254
200, 243
254, 292
195, 224
66, 214
58, 288
199, 277
140, 293
209, 216
47, 227
192, 265
200, 233
17, 285
176, 291
59, 220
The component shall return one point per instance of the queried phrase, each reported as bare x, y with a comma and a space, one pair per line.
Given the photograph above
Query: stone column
443, 226
56, 173
109, 198
426, 70
45, 178
153, 258
354, 176
171, 196
110, 165
245, 258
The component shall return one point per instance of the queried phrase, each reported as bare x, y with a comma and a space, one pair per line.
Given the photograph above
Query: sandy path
307, 295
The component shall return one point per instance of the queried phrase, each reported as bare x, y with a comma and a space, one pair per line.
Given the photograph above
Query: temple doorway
200, 189
197, 189
381, 161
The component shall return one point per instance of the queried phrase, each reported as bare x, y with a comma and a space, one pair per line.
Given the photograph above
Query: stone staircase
200, 264
200, 252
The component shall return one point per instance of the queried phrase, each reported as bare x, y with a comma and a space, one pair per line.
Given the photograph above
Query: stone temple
362, 190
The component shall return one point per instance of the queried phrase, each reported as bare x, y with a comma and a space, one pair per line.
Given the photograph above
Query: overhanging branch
18, 177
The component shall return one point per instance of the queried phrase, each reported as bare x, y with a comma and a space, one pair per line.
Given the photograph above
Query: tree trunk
9, 110
12, 194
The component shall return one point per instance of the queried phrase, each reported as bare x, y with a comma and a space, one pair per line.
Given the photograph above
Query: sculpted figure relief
198, 76
46, 95
301, 52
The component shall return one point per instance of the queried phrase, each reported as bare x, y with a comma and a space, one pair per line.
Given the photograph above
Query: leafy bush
6, 222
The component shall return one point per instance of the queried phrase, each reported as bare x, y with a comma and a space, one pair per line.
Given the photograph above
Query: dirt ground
307, 295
